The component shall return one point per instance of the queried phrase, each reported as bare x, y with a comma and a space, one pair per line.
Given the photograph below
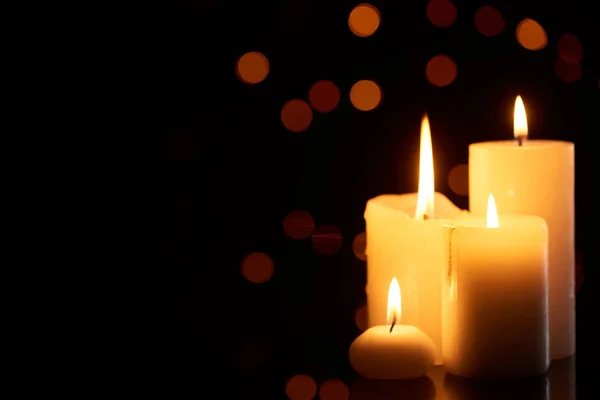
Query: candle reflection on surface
457, 388
562, 379
413, 389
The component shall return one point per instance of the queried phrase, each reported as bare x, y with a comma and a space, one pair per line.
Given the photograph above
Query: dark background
234, 172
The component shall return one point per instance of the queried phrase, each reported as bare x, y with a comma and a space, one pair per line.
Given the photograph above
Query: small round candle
392, 351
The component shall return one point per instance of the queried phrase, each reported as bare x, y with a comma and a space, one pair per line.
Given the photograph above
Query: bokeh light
296, 115
488, 21
570, 49
567, 72
324, 96
458, 179
360, 318
441, 13
252, 67
531, 35
440, 71
298, 225
327, 239
364, 20
301, 387
257, 267
334, 389
358, 246
365, 95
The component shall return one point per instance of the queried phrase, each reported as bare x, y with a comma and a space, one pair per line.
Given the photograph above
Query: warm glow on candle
394, 305
520, 119
492, 213
426, 187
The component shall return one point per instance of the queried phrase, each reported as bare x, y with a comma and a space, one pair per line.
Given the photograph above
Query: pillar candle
495, 297
405, 240
535, 177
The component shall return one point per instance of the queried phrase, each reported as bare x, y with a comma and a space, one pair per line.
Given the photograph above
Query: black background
233, 172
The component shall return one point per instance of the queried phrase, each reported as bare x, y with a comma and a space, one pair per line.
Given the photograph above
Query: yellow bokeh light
252, 67
441, 13
301, 387
257, 267
440, 71
531, 35
296, 115
364, 20
365, 95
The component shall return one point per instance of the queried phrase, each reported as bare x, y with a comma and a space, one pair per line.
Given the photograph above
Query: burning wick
521, 139
425, 217
393, 323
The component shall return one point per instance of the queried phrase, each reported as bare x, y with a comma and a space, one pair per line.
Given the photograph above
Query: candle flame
426, 192
394, 306
520, 119
492, 213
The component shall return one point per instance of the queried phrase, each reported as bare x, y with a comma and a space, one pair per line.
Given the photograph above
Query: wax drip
393, 323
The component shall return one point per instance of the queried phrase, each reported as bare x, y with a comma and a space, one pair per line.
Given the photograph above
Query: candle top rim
402, 206
529, 144
507, 221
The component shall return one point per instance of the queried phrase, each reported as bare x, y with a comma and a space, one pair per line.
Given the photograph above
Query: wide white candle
392, 351
535, 177
495, 318
404, 239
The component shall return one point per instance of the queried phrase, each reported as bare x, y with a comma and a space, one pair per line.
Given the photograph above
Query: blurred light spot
568, 72
531, 35
458, 179
364, 20
334, 389
358, 246
365, 95
360, 318
441, 13
257, 267
301, 387
570, 49
440, 71
327, 240
252, 67
298, 225
579, 274
296, 115
488, 21
324, 96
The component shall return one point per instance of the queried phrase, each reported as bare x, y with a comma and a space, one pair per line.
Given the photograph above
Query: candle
495, 318
535, 177
392, 351
404, 239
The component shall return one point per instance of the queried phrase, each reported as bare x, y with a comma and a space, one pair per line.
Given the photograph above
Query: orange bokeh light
252, 67
570, 49
257, 267
327, 239
441, 13
364, 20
301, 387
324, 96
298, 225
296, 115
365, 95
568, 72
458, 179
334, 389
440, 71
488, 21
360, 318
531, 35
358, 246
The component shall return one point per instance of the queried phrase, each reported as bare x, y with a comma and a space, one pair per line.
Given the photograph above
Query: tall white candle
535, 177
495, 318
405, 240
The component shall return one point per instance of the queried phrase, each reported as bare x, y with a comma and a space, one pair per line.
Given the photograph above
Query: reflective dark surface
557, 384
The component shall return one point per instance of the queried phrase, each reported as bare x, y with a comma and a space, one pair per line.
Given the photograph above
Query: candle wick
393, 323
425, 217
521, 139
